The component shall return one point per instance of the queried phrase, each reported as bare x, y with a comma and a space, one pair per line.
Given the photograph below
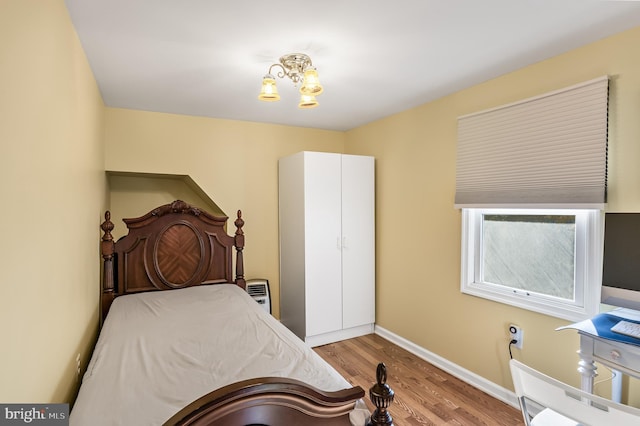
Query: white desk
619, 356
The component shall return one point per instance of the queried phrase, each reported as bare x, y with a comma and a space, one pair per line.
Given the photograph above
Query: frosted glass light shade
269, 92
307, 101
311, 85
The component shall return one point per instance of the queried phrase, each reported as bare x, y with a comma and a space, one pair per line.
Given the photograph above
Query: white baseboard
336, 336
498, 392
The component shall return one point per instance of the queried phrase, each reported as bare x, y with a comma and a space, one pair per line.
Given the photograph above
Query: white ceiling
374, 57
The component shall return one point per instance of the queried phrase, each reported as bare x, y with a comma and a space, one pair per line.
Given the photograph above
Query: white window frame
588, 264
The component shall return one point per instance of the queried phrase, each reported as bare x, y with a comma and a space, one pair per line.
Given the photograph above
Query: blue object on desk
603, 324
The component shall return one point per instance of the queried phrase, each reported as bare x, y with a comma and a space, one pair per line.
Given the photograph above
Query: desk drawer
618, 354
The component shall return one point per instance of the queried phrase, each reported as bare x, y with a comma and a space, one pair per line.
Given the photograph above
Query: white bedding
159, 351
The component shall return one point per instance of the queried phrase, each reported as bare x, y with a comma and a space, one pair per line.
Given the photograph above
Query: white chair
558, 404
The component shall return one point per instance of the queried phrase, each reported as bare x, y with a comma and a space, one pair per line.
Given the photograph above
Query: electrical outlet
516, 334
78, 366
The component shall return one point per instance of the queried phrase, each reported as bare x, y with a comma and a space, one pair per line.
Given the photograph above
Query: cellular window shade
547, 150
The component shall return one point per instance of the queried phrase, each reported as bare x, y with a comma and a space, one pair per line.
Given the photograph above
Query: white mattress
159, 351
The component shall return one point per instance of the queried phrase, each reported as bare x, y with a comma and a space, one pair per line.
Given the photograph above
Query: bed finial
239, 243
382, 396
239, 224
107, 226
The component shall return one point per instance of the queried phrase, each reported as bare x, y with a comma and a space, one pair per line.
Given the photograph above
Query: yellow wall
127, 190
418, 230
53, 189
234, 162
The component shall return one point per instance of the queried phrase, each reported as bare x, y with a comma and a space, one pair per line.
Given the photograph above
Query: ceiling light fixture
298, 67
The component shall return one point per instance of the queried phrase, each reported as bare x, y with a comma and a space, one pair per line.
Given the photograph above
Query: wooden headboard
173, 246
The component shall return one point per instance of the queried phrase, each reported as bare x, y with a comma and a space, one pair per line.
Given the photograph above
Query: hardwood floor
424, 394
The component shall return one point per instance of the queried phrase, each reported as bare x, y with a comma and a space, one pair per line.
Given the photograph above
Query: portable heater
259, 289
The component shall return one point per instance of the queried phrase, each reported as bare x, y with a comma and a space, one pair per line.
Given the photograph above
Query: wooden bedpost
382, 396
108, 248
239, 243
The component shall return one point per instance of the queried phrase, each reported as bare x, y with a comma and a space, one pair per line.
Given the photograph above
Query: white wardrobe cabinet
327, 245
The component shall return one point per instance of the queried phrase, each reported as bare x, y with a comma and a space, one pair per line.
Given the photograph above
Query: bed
182, 343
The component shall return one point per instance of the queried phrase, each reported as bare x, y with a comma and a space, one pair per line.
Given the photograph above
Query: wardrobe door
323, 271
358, 241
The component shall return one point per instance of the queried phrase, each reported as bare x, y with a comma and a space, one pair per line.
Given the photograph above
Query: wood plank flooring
424, 394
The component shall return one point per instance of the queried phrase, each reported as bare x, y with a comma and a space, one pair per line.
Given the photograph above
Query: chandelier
298, 67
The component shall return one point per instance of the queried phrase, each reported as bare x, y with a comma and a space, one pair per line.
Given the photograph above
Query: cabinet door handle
341, 243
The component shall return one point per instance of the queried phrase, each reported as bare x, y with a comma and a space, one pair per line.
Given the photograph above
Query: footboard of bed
281, 401
269, 401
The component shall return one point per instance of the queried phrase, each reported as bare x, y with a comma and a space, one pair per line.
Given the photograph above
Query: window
531, 180
544, 260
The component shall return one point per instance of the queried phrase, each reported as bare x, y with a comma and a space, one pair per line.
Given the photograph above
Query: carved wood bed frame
178, 245
173, 246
